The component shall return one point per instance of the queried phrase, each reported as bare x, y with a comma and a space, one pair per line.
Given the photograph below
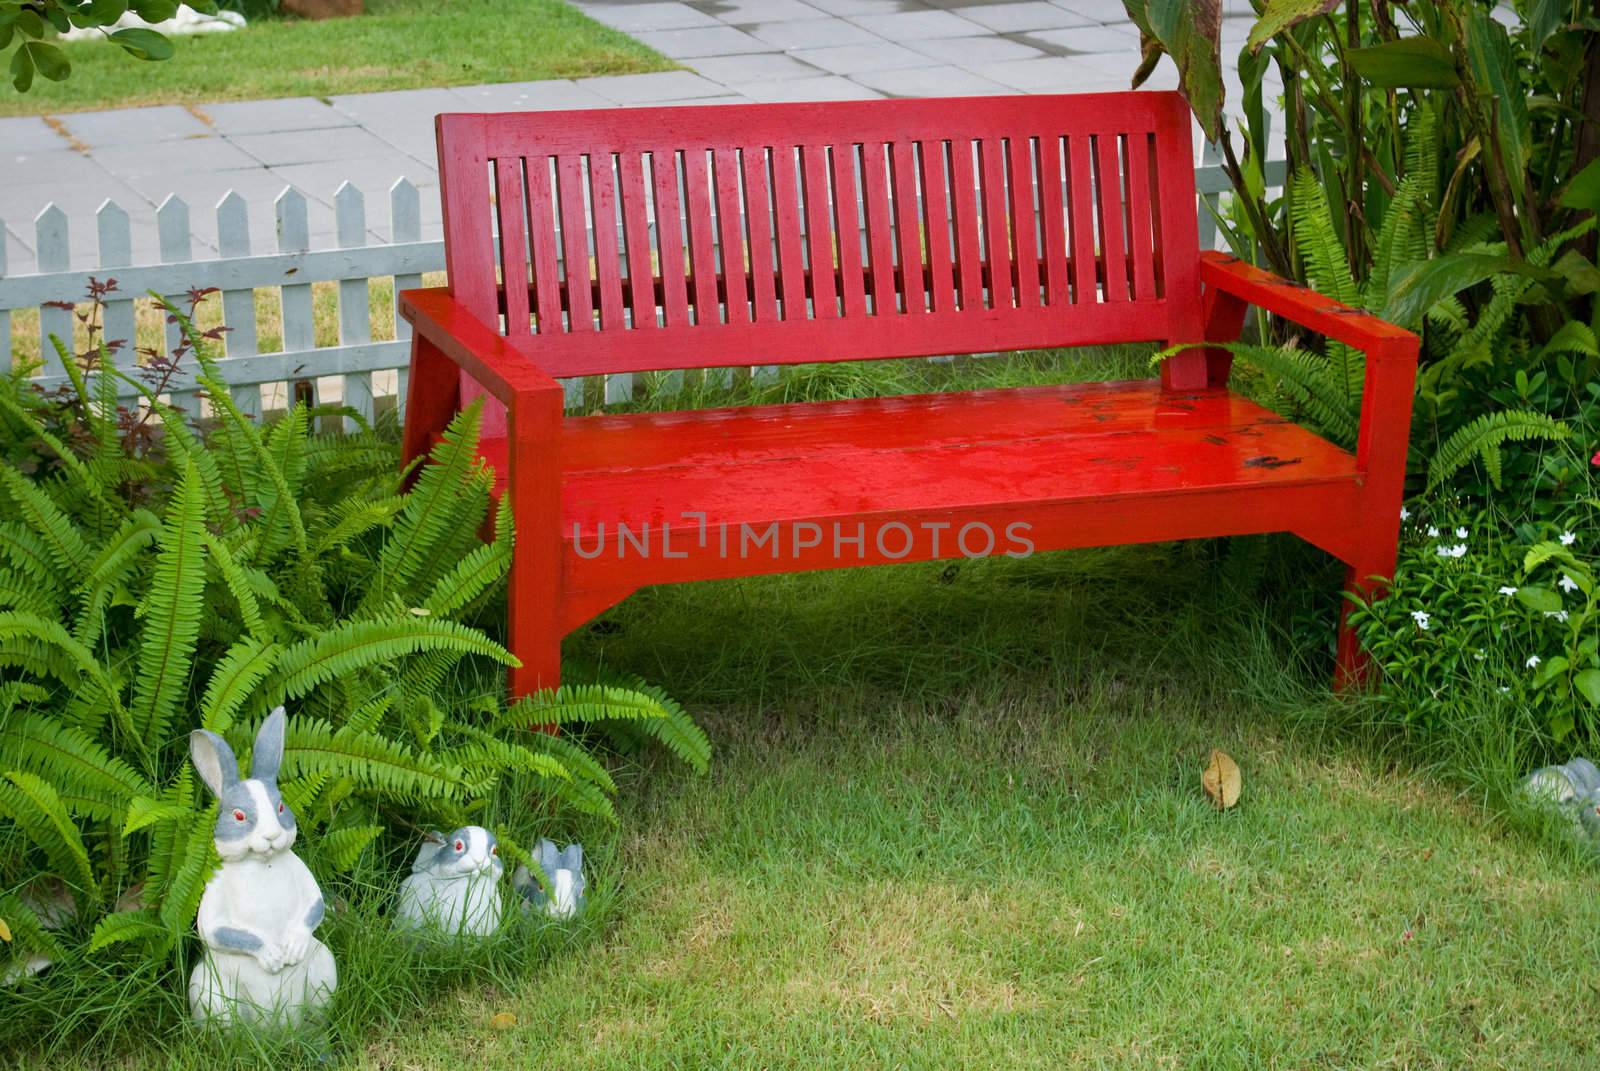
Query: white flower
1421, 618
1567, 583
1567, 539
1559, 615
1457, 551
1405, 514
1504, 689
1508, 590
1479, 657
1433, 533
1461, 533
1533, 661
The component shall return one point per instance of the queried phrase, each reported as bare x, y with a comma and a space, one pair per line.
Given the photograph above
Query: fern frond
234, 680
76, 665
81, 476
238, 585
37, 510
376, 762
471, 577
171, 612
144, 811
110, 567
196, 861
28, 554
185, 446
28, 932
354, 518
1318, 239
355, 645
339, 849
93, 782
1304, 378
1485, 435
141, 924
33, 804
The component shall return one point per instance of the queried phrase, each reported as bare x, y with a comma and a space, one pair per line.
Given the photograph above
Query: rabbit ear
431, 841
214, 760
268, 753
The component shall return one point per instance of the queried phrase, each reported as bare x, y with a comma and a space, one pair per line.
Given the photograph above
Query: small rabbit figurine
563, 875
1574, 787
454, 884
262, 964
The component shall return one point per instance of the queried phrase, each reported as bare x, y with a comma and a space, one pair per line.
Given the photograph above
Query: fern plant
154, 584
1325, 389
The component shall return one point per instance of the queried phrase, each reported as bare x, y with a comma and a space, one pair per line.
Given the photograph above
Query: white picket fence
244, 266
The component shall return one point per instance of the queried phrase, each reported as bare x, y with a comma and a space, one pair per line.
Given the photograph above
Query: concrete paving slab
703, 41
638, 18
1047, 74
760, 67
740, 12
543, 96
1090, 39
366, 108
915, 25
273, 116
134, 126
968, 51
177, 157
857, 59
825, 87
1034, 15
941, 81
813, 33
862, 7
652, 88
28, 133
1102, 11
311, 146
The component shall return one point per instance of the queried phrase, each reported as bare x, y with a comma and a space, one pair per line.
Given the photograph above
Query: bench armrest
483, 354
1380, 340
1391, 360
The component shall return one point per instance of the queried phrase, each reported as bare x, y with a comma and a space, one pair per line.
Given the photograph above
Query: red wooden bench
984, 224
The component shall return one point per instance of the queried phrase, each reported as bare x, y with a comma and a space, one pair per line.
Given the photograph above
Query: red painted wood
1085, 286
510, 201
763, 259
936, 208
702, 246
852, 280
730, 218
1024, 221
669, 237
607, 240
1058, 284
880, 236
996, 223
1108, 196
1141, 245
819, 231
969, 252
636, 238
1081, 465
542, 242
575, 243
791, 227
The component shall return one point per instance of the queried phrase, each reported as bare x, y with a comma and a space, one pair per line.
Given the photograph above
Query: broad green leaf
1587, 683
1543, 600
104, 12
154, 10
49, 60
1190, 31
1409, 63
29, 24
1417, 287
1496, 77
143, 44
1279, 15
1583, 192
21, 69
1550, 670
1543, 18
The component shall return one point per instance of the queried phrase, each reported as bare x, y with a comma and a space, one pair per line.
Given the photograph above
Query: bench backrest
655, 238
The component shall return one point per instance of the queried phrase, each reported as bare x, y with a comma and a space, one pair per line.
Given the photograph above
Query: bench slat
509, 201
542, 240
908, 225
1052, 209
669, 237
1140, 240
996, 232
875, 181
1104, 150
636, 236
702, 244
848, 231
935, 204
763, 261
969, 253
575, 241
1024, 221
730, 219
790, 229
607, 262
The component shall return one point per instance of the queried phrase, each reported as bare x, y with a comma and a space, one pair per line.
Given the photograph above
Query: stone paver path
732, 51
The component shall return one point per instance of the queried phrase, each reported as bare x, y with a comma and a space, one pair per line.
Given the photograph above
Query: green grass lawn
955, 820
398, 44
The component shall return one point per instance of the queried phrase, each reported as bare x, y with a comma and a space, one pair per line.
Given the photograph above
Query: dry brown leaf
1221, 779
502, 1021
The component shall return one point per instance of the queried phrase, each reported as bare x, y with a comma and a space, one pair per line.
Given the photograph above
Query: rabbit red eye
460, 847
238, 816
280, 808
495, 850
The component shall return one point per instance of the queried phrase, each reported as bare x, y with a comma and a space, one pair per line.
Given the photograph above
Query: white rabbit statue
262, 964
454, 885
563, 876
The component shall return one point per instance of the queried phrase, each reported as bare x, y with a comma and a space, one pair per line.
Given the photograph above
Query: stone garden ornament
563, 877
454, 885
262, 965
1574, 787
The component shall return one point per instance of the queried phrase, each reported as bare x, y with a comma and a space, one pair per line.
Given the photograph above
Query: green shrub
154, 580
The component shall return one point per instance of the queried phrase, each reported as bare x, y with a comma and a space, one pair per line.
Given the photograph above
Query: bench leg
534, 599
433, 395
1366, 580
